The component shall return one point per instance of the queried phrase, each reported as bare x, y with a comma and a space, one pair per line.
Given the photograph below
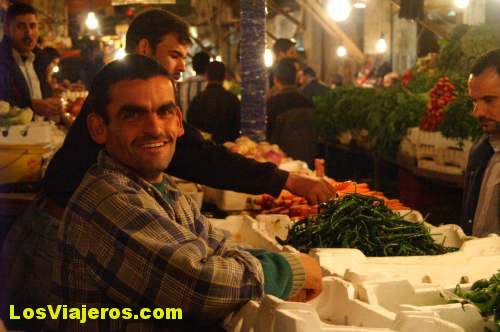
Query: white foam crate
227, 200
338, 308
244, 232
437, 153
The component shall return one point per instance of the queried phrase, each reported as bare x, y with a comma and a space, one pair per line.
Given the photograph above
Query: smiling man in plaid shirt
130, 238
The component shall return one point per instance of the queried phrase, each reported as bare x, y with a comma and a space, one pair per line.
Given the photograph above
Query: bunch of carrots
297, 207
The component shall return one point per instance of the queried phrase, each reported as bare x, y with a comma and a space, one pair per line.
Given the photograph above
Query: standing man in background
193, 86
481, 199
22, 82
216, 110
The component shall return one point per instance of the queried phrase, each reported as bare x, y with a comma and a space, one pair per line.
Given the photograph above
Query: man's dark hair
131, 67
488, 60
216, 71
153, 25
282, 45
200, 62
17, 9
309, 72
285, 72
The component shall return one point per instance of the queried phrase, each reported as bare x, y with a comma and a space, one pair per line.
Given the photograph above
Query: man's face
23, 32
144, 124
171, 55
484, 89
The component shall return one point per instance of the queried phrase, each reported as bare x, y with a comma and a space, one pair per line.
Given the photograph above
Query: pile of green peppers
365, 223
485, 295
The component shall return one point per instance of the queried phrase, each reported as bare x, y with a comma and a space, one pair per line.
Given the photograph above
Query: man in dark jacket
312, 87
481, 199
290, 115
216, 110
22, 81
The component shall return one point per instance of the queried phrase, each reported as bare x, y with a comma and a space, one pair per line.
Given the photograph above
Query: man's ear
97, 128
144, 48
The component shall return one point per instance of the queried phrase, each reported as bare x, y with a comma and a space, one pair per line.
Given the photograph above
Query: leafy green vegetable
365, 223
458, 121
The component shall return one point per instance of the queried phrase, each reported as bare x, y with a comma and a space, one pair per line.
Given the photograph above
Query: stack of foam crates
372, 293
434, 152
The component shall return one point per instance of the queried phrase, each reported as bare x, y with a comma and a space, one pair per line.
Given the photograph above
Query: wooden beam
273, 37
276, 8
319, 15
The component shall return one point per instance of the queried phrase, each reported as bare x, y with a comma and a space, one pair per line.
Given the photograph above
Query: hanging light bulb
381, 45
359, 4
91, 21
268, 58
218, 58
55, 69
341, 51
338, 10
462, 4
120, 54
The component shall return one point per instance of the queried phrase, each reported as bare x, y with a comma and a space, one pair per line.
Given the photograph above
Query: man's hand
313, 283
47, 107
315, 190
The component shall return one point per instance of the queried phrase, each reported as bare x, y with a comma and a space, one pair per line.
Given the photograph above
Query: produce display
13, 115
440, 96
366, 223
297, 207
263, 151
484, 294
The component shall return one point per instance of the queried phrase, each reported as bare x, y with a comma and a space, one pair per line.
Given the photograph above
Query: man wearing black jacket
481, 199
22, 80
159, 34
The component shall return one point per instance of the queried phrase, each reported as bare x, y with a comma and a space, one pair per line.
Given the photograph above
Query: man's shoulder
99, 184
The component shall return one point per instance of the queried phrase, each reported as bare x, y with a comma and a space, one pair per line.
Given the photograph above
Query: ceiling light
268, 58
341, 51
462, 4
91, 21
338, 10
381, 45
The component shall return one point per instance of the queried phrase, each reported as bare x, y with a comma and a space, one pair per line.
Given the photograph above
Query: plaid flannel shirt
123, 243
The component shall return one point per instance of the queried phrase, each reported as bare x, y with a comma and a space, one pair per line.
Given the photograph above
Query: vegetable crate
437, 153
244, 231
350, 304
227, 200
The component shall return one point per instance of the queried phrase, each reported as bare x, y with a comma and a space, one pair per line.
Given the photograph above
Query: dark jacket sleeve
205, 162
479, 156
195, 160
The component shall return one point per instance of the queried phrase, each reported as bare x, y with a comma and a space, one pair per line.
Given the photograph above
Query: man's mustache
485, 121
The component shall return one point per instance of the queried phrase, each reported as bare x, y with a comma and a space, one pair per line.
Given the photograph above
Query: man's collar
108, 162
495, 142
30, 57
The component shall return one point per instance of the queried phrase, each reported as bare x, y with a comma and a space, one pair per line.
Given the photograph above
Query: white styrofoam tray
227, 200
338, 308
244, 232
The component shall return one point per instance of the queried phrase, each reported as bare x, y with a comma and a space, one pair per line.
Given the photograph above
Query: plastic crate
227, 200
244, 232
338, 309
